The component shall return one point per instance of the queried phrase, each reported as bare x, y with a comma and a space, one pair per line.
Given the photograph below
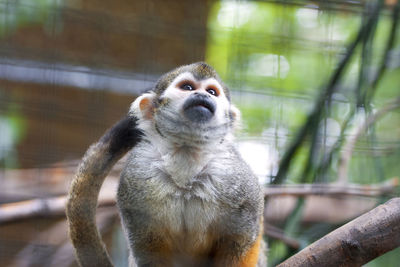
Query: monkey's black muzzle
199, 108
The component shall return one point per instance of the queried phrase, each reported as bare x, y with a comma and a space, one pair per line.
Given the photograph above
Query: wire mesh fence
316, 82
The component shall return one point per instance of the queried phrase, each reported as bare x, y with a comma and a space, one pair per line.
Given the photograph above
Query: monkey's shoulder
222, 162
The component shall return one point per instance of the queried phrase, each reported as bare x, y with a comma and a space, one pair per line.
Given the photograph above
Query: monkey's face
191, 109
199, 102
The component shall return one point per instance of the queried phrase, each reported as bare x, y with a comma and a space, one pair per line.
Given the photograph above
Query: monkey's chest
171, 199
189, 216
188, 220
185, 219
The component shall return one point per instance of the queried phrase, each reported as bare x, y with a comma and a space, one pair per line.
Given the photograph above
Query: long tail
84, 190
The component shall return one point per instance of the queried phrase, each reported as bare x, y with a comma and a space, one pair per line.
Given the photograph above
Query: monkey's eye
212, 91
187, 87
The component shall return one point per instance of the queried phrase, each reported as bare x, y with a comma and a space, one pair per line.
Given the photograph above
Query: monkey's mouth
199, 108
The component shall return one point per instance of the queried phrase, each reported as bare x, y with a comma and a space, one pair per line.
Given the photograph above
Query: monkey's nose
199, 108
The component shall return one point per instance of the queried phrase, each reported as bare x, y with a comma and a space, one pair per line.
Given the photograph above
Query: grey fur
186, 197
224, 199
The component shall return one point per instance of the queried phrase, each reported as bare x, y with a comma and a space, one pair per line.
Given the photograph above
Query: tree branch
386, 188
357, 242
44, 207
55, 206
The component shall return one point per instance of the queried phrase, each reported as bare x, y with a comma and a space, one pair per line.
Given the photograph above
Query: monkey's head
188, 105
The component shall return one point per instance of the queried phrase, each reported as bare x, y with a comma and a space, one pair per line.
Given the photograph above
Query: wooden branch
356, 243
39, 207
53, 206
386, 188
318, 208
25, 184
31, 208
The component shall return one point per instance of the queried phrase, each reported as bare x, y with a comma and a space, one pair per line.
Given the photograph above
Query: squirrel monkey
186, 197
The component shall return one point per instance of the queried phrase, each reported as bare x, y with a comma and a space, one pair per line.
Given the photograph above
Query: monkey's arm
241, 243
84, 191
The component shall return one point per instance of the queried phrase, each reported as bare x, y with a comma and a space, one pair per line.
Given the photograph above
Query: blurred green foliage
14, 14
280, 56
12, 130
255, 117
288, 52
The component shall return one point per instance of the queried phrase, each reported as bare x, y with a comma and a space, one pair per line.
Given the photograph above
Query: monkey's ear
235, 116
143, 107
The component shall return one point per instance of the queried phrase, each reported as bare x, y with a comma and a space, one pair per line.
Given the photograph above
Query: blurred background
317, 83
